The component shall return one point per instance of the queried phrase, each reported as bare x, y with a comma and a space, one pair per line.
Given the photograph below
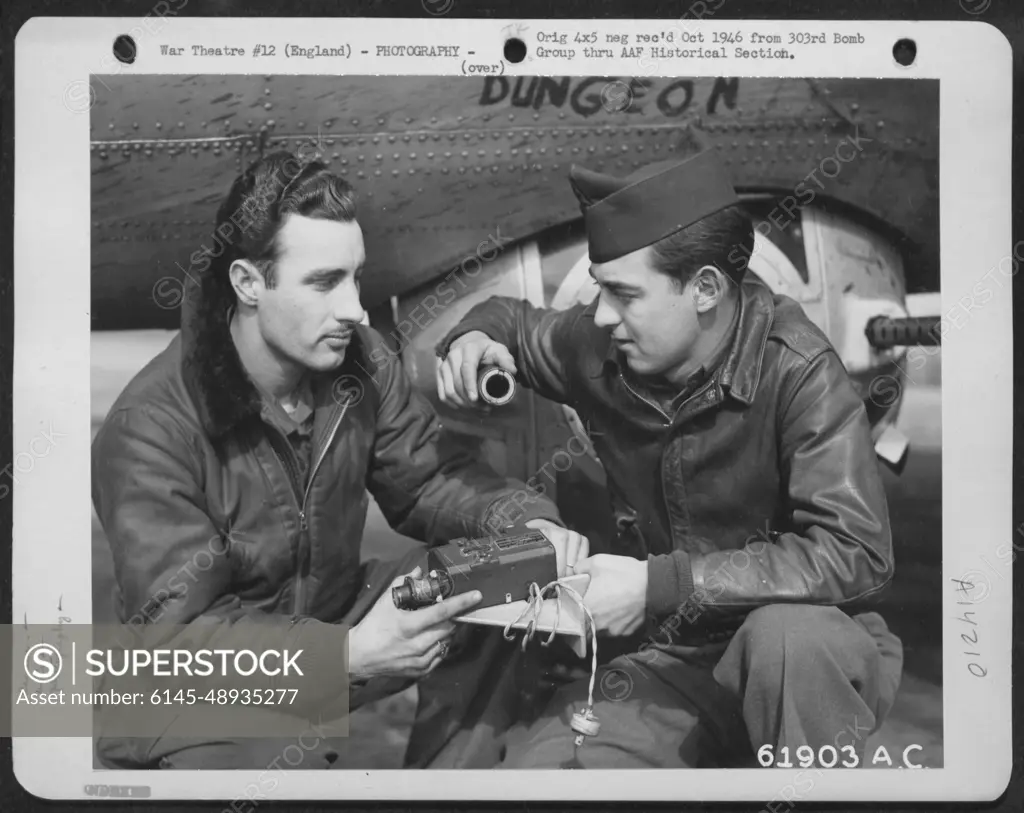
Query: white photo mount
59, 63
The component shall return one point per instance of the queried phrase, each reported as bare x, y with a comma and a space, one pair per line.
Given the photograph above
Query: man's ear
709, 288
247, 281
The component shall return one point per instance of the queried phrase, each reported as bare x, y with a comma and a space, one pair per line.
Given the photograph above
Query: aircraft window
783, 229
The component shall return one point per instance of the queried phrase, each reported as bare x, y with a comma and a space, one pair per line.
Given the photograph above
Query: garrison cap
623, 215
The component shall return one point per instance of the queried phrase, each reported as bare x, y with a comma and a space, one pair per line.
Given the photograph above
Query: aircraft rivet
361, 141
590, 149
135, 125
462, 170
462, 118
391, 139
267, 105
379, 121
394, 173
561, 114
271, 122
494, 169
396, 156
437, 136
558, 150
433, 119
625, 148
444, 171
408, 120
266, 91
419, 191
103, 155
575, 149
881, 124
359, 174
478, 169
511, 116
376, 172
355, 122
149, 152
344, 161
465, 154
302, 125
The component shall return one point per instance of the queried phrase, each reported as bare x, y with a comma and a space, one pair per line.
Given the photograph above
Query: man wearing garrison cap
752, 527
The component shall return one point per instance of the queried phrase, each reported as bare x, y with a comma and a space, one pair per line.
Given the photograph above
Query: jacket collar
740, 369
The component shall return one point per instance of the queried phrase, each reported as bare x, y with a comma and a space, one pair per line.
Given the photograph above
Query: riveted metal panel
442, 164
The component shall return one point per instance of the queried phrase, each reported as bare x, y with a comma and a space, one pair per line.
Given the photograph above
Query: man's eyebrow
330, 273
621, 287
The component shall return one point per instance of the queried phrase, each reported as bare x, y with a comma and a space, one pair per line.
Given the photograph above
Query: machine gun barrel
884, 332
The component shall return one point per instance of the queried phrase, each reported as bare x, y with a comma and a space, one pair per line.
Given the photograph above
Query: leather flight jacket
762, 487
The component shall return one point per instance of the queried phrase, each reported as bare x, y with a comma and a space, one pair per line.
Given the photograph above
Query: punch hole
124, 49
905, 52
515, 50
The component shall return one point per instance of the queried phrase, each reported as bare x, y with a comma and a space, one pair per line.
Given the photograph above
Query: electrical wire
584, 723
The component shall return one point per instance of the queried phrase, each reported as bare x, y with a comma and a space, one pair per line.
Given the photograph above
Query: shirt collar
299, 419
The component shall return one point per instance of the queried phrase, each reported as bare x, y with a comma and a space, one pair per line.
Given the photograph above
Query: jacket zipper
668, 420
288, 462
300, 583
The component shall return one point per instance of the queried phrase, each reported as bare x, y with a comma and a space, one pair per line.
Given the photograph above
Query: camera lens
415, 593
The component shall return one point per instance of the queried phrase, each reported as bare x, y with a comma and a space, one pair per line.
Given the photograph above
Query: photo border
49, 376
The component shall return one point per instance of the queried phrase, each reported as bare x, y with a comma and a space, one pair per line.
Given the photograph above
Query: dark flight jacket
762, 488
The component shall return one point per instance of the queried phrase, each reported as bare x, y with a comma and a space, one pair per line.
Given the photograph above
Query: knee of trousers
803, 635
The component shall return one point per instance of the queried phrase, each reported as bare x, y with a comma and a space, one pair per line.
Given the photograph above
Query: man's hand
457, 375
570, 547
617, 595
404, 643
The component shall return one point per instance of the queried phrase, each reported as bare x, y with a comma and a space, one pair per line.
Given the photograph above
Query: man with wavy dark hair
250, 443
753, 530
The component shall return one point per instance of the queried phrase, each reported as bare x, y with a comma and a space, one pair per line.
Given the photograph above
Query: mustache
342, 333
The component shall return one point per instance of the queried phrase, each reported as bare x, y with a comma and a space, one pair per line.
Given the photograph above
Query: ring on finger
442, 646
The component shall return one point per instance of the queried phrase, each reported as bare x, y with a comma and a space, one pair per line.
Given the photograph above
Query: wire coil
584, 722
